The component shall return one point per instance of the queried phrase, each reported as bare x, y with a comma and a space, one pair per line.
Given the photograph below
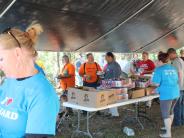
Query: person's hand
65, 73
87, 77
59, 76
154, 91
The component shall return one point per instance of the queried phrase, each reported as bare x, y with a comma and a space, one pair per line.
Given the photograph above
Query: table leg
78, 131
143, 114
89, 134
78, 125
137, 116
78, 120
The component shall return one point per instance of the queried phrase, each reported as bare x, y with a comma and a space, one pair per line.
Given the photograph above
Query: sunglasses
8, 31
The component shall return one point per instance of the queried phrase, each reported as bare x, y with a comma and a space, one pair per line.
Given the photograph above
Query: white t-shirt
179, 64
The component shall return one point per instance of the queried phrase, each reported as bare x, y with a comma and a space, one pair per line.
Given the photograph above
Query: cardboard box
118, 91
150, 90
136, 93
122, 97
92, 98
73, 95
121, 91
111, 96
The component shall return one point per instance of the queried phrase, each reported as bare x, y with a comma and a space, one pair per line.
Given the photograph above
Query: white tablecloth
122, 103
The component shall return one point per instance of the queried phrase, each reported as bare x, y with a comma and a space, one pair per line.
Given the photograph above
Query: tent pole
7, 8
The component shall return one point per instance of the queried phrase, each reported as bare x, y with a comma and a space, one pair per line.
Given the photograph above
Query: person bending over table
89, 70
28, 102
112, 71
166, 77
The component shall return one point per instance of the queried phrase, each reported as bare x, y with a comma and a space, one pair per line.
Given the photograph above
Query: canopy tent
100, 25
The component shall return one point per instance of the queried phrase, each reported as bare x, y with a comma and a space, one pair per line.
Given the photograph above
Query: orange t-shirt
91, 70
68, 82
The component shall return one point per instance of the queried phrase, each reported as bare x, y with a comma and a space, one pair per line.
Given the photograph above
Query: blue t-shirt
167, 78
39, 69
29, 106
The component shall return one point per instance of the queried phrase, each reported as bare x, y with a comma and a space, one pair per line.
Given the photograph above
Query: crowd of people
27, 97
168, 76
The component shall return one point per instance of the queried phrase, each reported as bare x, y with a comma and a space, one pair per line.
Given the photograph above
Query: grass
104, 127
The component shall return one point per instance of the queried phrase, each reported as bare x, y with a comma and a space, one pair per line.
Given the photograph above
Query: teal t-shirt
27, 106
167, 78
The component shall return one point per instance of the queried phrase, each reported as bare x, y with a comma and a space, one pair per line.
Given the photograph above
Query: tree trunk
58, 62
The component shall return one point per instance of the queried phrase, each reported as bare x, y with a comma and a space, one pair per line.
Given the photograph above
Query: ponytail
26, 40
34, 30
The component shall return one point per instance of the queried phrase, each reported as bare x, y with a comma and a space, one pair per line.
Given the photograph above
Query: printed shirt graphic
7, 101
147, 65
23, 105
167, 78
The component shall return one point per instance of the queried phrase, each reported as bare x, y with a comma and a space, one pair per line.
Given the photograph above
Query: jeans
179, 111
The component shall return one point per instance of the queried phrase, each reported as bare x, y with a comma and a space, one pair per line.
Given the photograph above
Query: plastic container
128, 131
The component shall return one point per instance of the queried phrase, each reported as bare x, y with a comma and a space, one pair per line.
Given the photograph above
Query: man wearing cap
179, 108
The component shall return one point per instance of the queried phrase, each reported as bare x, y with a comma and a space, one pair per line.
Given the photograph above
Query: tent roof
101, 25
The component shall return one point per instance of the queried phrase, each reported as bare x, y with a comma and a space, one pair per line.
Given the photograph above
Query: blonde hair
27, 39
37, 29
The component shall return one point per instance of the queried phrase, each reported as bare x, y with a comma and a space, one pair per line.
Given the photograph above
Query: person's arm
71, 71
42, 112
132, 69
117, 71
178, 66
156, 80
148, 72
152, 65
99, 68
81, 70
105, 68
69, 74
62, 77
180, 77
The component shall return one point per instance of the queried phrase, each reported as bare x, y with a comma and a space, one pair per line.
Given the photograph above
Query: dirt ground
105, 127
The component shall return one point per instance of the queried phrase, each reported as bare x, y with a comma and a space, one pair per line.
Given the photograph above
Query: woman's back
167, 78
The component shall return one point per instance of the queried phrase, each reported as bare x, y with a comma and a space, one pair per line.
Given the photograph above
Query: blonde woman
28, 102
